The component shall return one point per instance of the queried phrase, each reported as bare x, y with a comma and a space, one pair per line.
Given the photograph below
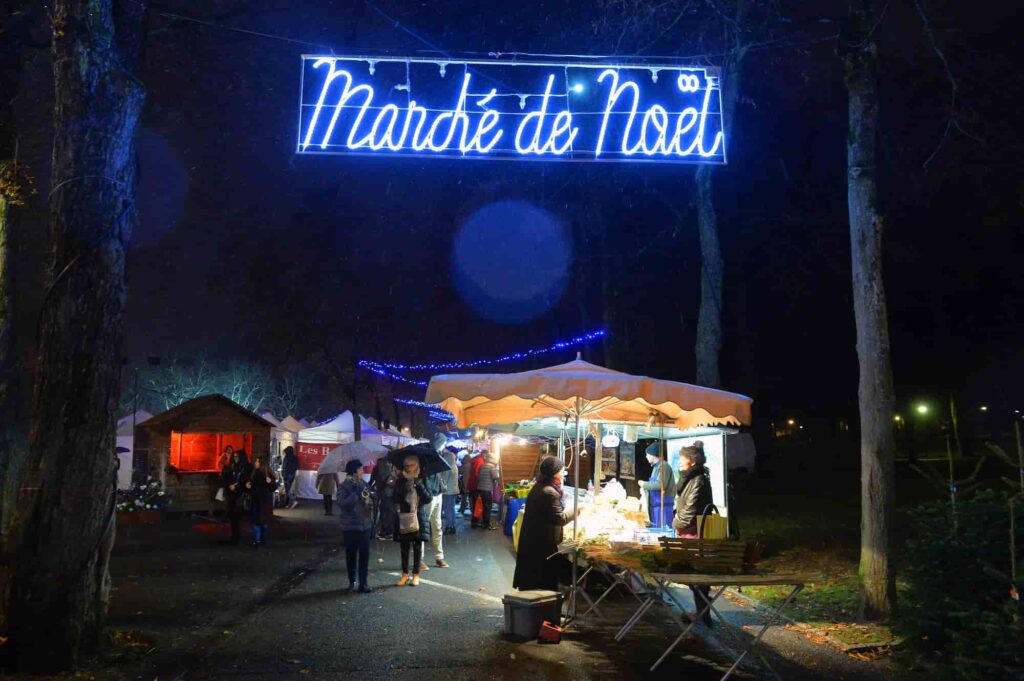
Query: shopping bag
478, 509
220, 496
516, 527
408, 523
712, 525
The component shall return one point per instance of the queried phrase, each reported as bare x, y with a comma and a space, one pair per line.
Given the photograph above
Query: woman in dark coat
693, 497
542, 532
233, 477
411, 496
261, 485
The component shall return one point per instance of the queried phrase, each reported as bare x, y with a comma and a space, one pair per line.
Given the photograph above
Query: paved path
283, 613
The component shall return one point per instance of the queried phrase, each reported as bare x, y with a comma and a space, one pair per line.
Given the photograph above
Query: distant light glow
897, 418
984, 408
353, 104
791, 422
922, 409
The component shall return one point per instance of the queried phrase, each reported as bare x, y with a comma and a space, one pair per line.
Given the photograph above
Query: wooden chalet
182, 446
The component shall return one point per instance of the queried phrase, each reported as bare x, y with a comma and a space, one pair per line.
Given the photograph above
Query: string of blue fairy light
427, 366
433, 411
388, 369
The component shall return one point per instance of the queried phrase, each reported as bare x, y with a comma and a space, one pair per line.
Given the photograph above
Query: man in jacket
289, 469
384, 477
435, 484
451, 491
660, 488
486, 479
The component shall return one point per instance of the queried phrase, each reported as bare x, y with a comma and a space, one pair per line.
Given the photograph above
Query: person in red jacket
474, 476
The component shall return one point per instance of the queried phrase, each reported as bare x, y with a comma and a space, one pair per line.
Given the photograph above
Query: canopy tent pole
575, 511
661, 477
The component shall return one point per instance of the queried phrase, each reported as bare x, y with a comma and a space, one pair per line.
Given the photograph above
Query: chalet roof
201, 404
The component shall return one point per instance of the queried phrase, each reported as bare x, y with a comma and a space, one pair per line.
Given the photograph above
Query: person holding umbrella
356, 503
412, 527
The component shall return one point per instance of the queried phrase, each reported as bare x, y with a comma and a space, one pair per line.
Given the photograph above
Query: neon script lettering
509, 110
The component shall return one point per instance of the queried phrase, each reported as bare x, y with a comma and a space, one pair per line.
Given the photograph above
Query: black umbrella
431, 462
122, 450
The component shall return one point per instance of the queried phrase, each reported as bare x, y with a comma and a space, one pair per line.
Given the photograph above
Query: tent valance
593, 391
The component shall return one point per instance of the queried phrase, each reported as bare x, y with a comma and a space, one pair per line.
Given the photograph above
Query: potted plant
143, 503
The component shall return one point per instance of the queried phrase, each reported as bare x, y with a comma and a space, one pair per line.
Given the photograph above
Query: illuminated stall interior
182, 447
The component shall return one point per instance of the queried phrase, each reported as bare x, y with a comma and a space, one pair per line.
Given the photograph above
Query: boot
404, 579
415, 580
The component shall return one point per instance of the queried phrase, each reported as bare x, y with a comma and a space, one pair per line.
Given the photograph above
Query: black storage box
525, 611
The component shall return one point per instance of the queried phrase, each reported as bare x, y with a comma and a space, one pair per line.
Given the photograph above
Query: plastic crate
526, 611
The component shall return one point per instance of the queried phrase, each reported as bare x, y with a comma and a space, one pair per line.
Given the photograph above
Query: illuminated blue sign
511, 110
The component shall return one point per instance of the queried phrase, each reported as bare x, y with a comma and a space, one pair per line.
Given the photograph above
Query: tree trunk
709, 319
64, 525
875, 392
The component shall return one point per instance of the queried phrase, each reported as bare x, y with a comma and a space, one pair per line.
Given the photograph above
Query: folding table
718, 584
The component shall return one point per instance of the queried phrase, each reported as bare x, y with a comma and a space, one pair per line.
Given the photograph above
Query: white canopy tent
281, 435
314, 444
126, 440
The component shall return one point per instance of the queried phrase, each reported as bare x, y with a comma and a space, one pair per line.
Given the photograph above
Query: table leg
632, 621
697, 617
773, 614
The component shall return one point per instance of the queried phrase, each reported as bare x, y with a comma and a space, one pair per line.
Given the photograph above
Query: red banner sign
311, 456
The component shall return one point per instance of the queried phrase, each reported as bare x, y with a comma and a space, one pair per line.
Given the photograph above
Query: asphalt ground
283, 612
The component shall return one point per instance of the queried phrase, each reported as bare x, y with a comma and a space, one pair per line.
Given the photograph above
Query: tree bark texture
875, 390
709, 318
64, 525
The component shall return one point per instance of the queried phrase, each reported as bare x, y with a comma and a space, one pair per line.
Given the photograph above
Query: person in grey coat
486, 478
451, 491
356, 504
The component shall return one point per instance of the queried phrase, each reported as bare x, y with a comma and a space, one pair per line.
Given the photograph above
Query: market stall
583, 395
181, 446
315, 443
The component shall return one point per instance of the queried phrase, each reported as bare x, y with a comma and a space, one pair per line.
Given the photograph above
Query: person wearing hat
660, 488
542, 531
356, 503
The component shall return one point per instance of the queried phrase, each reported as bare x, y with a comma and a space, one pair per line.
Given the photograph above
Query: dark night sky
246, 250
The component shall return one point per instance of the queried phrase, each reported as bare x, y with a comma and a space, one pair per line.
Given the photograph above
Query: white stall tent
314, 444
281, 435
126, 440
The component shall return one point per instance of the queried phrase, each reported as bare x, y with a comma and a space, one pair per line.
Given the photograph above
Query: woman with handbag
234, 476
260, 488
693, 497
356, 503
412, 527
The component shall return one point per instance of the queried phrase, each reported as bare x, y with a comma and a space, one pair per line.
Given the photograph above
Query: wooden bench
718, 556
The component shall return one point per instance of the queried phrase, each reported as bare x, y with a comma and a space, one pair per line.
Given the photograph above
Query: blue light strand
433, 411
382, 367
375, 368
